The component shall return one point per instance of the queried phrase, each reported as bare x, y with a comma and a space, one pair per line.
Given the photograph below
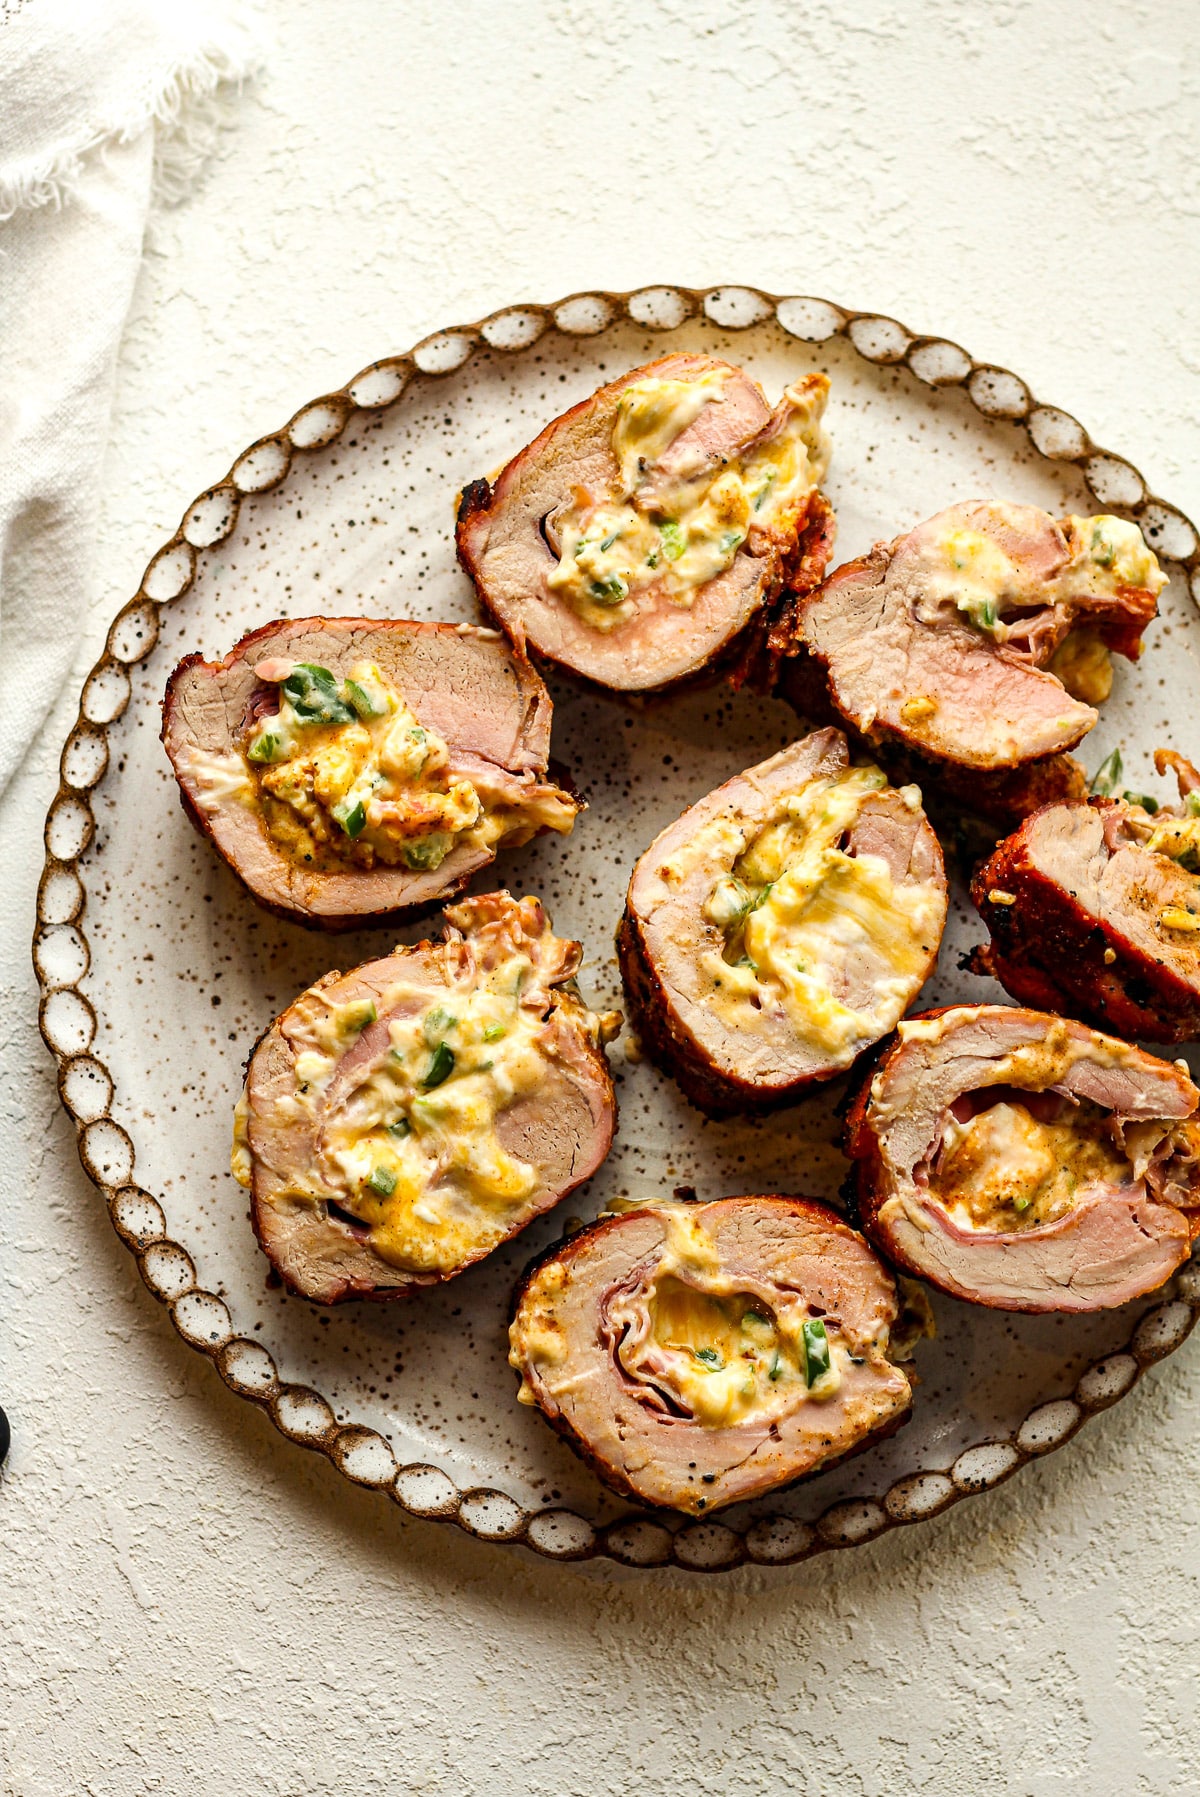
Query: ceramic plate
159, 973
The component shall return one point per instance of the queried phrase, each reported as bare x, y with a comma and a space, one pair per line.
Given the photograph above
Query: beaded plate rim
67, 1019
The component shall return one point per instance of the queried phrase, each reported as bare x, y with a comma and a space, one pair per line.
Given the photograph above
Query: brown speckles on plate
141, 932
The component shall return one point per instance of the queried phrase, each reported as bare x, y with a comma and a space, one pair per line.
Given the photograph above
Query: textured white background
187, 1604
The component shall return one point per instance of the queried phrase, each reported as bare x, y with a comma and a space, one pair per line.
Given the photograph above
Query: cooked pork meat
698, 1354
980, 639
999, 796
1026, 1162
781, 926
1094, 909
646, 536
350, 770
402, 1120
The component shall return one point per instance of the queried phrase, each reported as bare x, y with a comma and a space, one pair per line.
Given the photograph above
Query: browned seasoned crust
1052, 950
1002, 797
606, 1471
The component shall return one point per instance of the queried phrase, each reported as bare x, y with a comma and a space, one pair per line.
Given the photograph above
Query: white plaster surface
187, 1603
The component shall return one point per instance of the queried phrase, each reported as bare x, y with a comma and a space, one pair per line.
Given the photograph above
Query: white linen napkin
105, 107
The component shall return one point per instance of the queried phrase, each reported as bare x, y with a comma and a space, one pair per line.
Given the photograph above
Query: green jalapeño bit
362, 701
265, 747
440, 1067
816, 1351
352, 818
313, 695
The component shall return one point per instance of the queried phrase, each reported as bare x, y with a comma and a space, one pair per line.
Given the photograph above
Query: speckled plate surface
158, 972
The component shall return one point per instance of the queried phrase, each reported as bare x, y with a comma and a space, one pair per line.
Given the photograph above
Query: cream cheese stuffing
796, 909
343, 771
677, 528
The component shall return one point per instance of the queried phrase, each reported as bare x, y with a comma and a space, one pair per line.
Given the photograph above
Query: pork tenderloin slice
505, 542
1000, 796
729, 1056
466, 684
310, 1220
902, 661
1121, 1237
584, 1340
1080, 914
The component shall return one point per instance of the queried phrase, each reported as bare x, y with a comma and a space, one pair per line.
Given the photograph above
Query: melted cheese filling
687, 529
346, 772
726, 1358
804, 922
722, 1353
968, 569
1003, 1170
411, 1147
1083, 664
1178, 838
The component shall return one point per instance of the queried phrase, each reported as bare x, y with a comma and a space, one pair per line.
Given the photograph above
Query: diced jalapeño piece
426, 853
440, 1067
436, 1023
352, 817
816, 1351
610, 591
363, 700
382, 1181
266, 746
313, 695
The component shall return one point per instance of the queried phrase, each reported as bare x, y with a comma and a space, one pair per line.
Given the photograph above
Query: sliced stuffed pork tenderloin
699, 1354
781, 927
1094, 909
351, 770
1025, 1161
644, 539
400, 1121
977, 646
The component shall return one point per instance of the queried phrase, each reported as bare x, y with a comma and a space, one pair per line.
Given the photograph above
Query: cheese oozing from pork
968, 570
344, 771
1004, 1169
407, 1133
686, 528
713, 1347
805, 922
